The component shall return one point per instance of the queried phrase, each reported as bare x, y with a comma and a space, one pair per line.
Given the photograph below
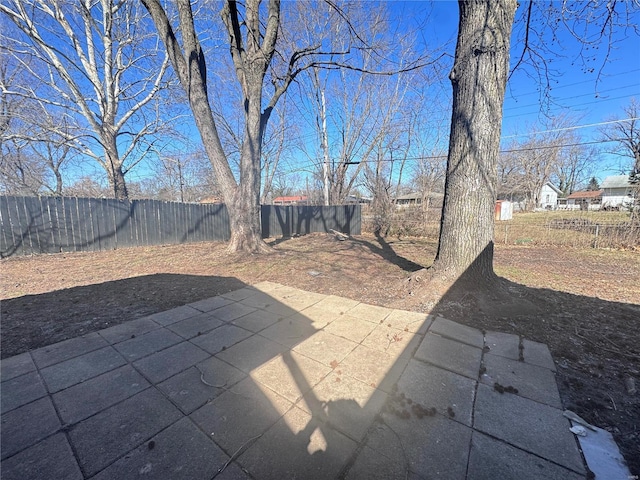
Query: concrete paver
209, 304
185, 311
291, 375
21, 390
67, 349
527, 424
232, 311
531, 381
124, 331
490, 459
309, 449
503, 344
431, 447
78, 369
351, 328
348, 404
241, 293
146, 344
370, 313
537, 354
196, 325
373, 465
432, 387
168, 362
325, 348
455, 331
373, 367
409, 321
452, 355
182, 451
258, 407
200, 384
270, 381
250, 353
258, 320
289, 332
221, 338
102, 439
334, 304
87, 398
51, 458
27, 425
16, 366
392, 341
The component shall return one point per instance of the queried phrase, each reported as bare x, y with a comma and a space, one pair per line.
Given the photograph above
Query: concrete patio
272, 382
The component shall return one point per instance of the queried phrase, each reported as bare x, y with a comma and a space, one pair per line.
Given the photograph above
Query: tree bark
251, 57
113, 166
478, 78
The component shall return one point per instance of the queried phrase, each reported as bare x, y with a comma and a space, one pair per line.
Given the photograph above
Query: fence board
50, 232
32, 225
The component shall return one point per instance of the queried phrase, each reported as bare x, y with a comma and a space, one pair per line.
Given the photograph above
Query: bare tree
94, 58
626, 135
354, 126
479, 76
252, 32
576, 165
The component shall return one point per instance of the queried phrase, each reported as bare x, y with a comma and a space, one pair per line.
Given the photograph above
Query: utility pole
325, 149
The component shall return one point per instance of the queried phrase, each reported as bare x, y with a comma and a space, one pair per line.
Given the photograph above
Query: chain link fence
571, 229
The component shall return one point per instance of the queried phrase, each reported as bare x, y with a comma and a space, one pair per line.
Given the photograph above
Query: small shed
504, 210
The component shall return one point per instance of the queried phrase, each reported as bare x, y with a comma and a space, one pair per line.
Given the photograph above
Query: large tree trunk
244, 214
251, 58
478, 77
113, 165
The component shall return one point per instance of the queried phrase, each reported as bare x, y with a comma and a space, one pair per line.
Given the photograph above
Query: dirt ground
585, 304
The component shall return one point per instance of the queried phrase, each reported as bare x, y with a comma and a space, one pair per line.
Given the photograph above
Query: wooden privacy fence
34, 225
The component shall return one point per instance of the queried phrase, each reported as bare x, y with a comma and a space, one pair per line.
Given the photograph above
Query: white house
617, 192
548, 199
545, 199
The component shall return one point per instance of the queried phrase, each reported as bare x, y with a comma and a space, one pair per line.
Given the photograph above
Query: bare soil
583, 303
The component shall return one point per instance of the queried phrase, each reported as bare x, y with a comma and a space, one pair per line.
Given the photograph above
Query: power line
599, 96
575, 127
582, 82
304, 167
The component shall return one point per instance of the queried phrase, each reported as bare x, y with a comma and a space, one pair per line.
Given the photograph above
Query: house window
548, 199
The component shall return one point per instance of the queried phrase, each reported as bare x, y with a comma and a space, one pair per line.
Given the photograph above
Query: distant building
584, 200
212, 199
545, 199
291, 200
432, 199
548, 196
618, 192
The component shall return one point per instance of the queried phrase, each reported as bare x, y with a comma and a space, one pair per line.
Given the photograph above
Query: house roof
586, 194
415, 196
297, 198
213, 199
616, 181
554, 188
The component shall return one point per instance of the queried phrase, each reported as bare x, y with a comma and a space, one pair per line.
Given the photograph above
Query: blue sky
589, 97
590, 86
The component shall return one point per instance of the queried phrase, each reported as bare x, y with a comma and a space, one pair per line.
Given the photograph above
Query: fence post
506, 232
595, 240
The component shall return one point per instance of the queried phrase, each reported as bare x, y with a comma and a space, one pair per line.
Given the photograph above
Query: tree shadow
386, 252
278, 407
